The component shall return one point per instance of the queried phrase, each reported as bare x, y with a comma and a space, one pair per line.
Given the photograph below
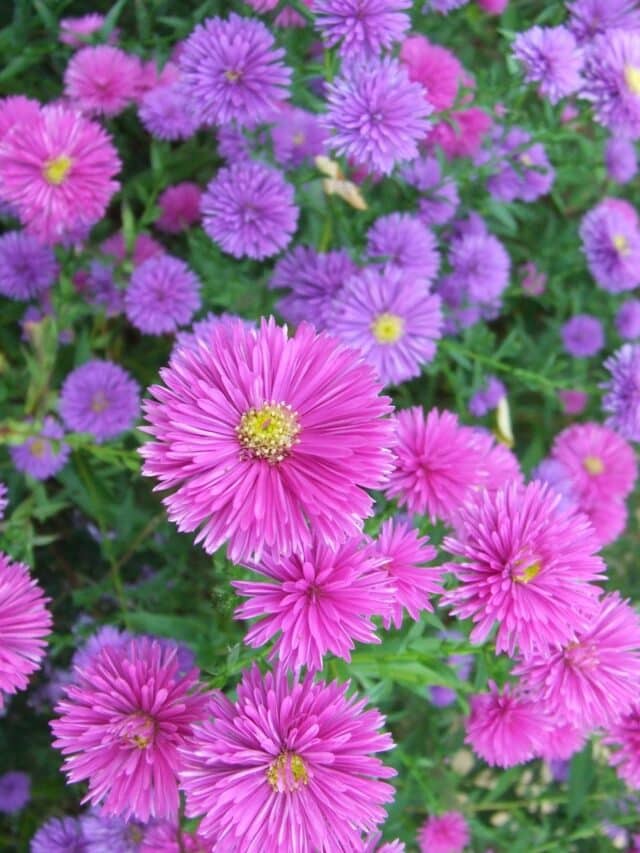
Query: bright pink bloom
593, 679
462, 133
16, 109
290, 766
318, 602
58, 172
445, 833
101, 80
625, 734
121, 724
501, 464
405, 554
76, 31
435, 67
24, 623
561, 742
573, 401
437, 463
608, 518
264, 437
528, 565
505, 727
180, 207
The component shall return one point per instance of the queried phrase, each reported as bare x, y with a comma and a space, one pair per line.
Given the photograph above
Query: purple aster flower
439, 195
480, 265
377, 115
297, 136
163, 295
556, 475
60, 835
363, 28
589, 18
611, 242
487, 398
523, 169
202, 330
249, 210
167, 113
98, 286
27, 268
15, 791
108, 635
582, 336
114, 835
42, 455
443, 6
100, 398
233, 145
612, 81
405, 244
393, 320
628, 319
230, 71
314, 278
551, 57
4, 501
622, 398
620, 159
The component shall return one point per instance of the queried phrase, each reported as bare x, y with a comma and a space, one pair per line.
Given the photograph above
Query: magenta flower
179, 207
561, 742
296, 423
318, 602
437, 70
17, 109
101, 80
230, 71
76, 31
528, 565
143, 248
58, 172
612, 81
437, 463
121, 724
405, 244
362, 28
404, 554
445, 833
593, 678
550, 57
625, 735
290, 765
163, 294
24, 623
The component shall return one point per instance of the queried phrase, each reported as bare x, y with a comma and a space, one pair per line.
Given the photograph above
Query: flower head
60, 835
612, 81
377, 115
550, 57
622, 397
590, 18
24, 623
76, 31
42, 455
362, 28
17, 109
230, 71
528, 565
582, 335
437, 70
439, 198
179, 207
101, 80
445, 833
404, 244
167, 113
121, 724
628, 319
116, 835
611, 242
480, 264
624, 736
163, 295
15, 791
290, 763
620, 159
302, 433
523, 170
249, 209
101, 398
460, 134
58, 171
298, 136
27, 268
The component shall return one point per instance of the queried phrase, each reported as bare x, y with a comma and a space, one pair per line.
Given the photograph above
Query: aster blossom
622, 392
362, 28
27, 268
121, 724
551, 57
101, 80
589, 18
179, 207
437, 70
163, 294
60, 835
610, 236
405, 244
25, 621
527, 565
231, 71
318, 602
302, 433
445, 833
522, 168
249, 210
44, 454
58, 171
628, 319
15, 791
594, 678
612, 81
620, 159
582, 335
624, 737
376, 114
290, 765
167, 113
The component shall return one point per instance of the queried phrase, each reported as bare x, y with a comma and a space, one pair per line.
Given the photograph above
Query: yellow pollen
287, 773
632, 78
298, 138
99, 402
526, 160
621, 244
233, 76
593, 465
55, 171
268, 432
38, 448
529, 573
387, 328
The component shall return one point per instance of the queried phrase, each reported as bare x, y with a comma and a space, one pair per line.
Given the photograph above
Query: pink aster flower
301, 432
318, 602
624, 736
435, 68
528, 565
290, 765
76, 31
445, 833
179, 207
16, 109
462, 133
121, 724
25, 621
594, 678
58, 172
437, 463
573, 401
561, 742
405, 553
101, 80
505, 727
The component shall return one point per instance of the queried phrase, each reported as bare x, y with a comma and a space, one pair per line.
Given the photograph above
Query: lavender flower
15, 791
405, 244
42, 455
60, 835
363, 28
622, 397
163, 295
439, 195
612, 81
27, 268
524, 171
297, 136
611, 242
167, 113
4, 500
550, 57
620, 159
589, 18
583, 336
487, 398
628, 319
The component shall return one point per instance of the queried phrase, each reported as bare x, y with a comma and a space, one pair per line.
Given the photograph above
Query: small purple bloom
439, 195
167, 113
622, 398
233, 145
107, 635
628, 319
480, 265
523, 169
113, 834
487, 398
98, 286
15, 791
611, 242
583, 336
443, 6
60, 835
297, 136
163, 295
620, 159
27, 268
550, 57
363, 28
612, 81
589, 18
42, 455
404, 244
4, 500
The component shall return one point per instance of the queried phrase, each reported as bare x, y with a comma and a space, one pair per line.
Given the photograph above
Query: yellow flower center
55, 171
621, 244
138, 729
268, 432
387, 328
38, 448
99, 402
632, 78
593, 465
529, 573
287, 773
233, 76
298, 138
526, 160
